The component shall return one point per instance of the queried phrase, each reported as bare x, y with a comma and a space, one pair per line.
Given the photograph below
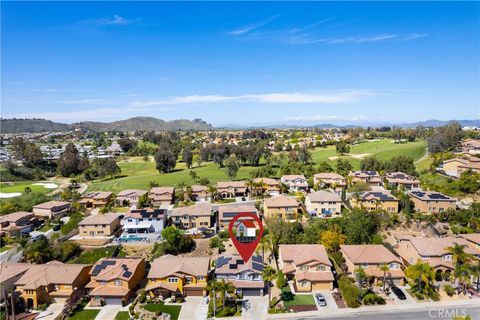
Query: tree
193, 175
360, 226
69, 161
110, 168
197, 159
342, 147
385, 268
187, 157
127, 144
343, 167
325, 167
225, 288
469, 181
332, 238
144, 201
165, 159
371, 164
18, 147
422, 277
176, 242
39, 251
360, 276
281, 280
400, 164
304, 156
232, 166
445, 138
461, 259
268, 275
32, 156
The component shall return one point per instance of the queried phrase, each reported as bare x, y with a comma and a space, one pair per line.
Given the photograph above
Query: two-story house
232, 189
97, 229
375, 200
200, 193
162, 196
402, 180
433, 250
283, 207
197, 216
371, 178
245, 276
431, 201
96, 199
174, 275
308, 265
51, 209
129, 197
295, 182
146, 223
456, 166
371, 258
227, 212
53, 282
330, 180
114, 280
267, 186
17, 223
323, 203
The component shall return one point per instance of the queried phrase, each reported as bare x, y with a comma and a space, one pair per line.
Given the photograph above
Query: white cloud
326, 118
251, 27
278, 98
82, 101
116, 20
414, 36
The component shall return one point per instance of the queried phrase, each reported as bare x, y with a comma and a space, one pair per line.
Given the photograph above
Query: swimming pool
131, 238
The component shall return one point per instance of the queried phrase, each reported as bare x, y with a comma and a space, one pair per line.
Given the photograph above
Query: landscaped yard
122, 315
174, 311
299, 299
90, 256
137, 174
85, 314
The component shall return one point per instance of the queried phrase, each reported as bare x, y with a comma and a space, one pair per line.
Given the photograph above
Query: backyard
173, 310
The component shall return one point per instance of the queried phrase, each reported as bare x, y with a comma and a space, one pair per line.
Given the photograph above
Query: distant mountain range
154, 124
132, 124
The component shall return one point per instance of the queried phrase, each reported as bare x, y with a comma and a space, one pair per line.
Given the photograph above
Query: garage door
251, 292
113, 301
322, 286
196, 292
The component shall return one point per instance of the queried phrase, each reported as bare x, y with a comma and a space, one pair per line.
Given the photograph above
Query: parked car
398, 292
321, 300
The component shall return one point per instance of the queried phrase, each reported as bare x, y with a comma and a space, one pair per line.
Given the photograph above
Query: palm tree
476, 271
212, 190
214, 287
385, 268
360, 276
458, 253
268, 275
225, 288
421, 273
264, 244
462, 271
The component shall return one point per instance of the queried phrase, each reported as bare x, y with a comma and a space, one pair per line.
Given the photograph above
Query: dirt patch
303, 308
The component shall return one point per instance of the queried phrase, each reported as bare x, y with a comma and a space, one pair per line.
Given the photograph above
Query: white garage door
113, 301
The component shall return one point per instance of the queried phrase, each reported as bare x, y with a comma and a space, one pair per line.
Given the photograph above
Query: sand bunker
46, 185
5, 195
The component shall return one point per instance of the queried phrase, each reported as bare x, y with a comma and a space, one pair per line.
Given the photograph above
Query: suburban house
268, 185
470, 146
97, 229
371, 257
372, 178
200, 193
246, 230
433, 250
114, 280
402, 180
197, 216
129, 197
295, 182
51, 209
9, 274
17, 223
146, 223
474, 238
330, 180
245, 276
232, 189
283, 207
308, 265
52, 282
227, 212
162, 196
375, 200
96, 199
455, 167
177, 275
323, 203
432, 201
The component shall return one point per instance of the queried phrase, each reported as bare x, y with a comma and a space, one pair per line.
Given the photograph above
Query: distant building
232, 189
97, 229
162, 196
455, 167
330, 180
227, 212
323, 203
432, 201
129, 197
295, 182
197, 216
17, 223
96, 199
269, 186
146, 223
375, 200
200, 193
371, 178
402, 180
52, 209
283, 207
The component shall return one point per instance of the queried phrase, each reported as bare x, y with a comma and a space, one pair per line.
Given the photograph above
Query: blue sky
241, 63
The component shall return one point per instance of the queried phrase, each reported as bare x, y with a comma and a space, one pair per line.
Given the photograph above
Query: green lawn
299, 299
174, 311
20, 187
5, 248
90, 256
122, 315
85, 314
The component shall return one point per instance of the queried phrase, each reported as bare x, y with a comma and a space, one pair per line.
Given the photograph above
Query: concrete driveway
409, 301
194, 308
255, 308
108, 312
331, 305
53, 310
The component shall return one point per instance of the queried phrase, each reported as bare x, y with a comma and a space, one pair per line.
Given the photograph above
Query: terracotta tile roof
167, 265
267, 181
438, 246
162, 190
290, 177
51, 204
115, 268
231, 184
472, 237
109, 290
314, 275
10, 270
198, 209
280, 202
329, 176
324, 196
197, 188
225, 211
247, 284
161, 285
376, 272
304, 253
369, 253
401, 178
132, 192
106, 218
97, 195
15, 216
380, 195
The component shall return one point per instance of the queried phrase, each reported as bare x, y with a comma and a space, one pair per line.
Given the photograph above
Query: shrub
349, 291
449, 289
372, 299
142, 297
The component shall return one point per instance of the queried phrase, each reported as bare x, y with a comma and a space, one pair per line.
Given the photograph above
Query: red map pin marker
246, 249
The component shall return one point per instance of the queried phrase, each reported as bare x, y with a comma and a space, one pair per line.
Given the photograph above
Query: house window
321, 268
118, 282
104, 225
199, 278
173, 279
303, 283
364, 265
57, 287
129, 220
303, 267
188, 279
447, 257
